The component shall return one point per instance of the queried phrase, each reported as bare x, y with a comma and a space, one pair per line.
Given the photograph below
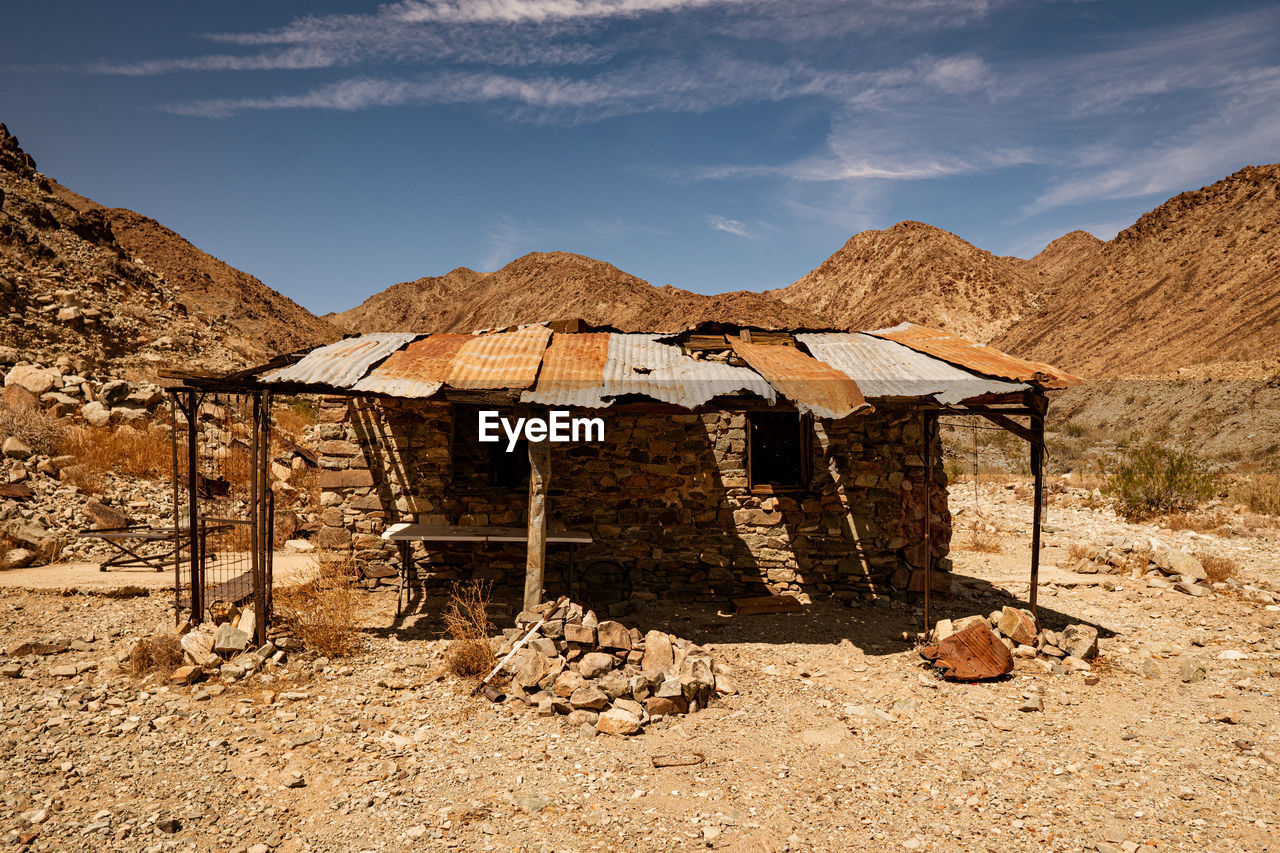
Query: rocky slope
1196, 280
110, 292
552, 285
920, 273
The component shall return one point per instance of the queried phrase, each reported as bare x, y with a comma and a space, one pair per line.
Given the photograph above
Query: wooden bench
405, 534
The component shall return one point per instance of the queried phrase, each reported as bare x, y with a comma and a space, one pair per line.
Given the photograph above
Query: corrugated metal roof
976, 357
342, 363
418, 370
572, 371
506, 360
812, 385
640, 364
883, 368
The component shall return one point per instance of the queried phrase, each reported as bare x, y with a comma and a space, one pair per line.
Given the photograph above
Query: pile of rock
604, 676
63, 391
1146, 557
226, 650
1068, 650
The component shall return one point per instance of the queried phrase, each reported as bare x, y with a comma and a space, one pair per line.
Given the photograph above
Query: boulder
589, 697
95, 414
15, 448
17, 558
1018, 625
1079, 641
113, 391
659, 657
580, 634
567, 683
1182, 563
595, 664
617, 721
37, 380
613, 635
659, 706
105, 517
230, 639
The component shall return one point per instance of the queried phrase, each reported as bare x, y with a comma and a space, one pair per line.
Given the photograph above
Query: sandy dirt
838, 739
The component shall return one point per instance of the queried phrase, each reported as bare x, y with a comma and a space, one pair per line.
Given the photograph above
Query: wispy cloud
717, 222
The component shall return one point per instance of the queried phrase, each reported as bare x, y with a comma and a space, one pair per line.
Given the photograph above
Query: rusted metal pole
539, 481
266, 529
255, 509
1037, 473
929, 421
193, 512
177, 510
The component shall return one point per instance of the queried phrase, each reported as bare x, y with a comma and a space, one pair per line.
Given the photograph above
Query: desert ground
838, 736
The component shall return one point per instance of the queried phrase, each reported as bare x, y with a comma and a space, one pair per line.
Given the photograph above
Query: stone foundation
665, 496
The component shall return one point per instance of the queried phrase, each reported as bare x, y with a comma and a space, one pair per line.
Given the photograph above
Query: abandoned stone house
733, 460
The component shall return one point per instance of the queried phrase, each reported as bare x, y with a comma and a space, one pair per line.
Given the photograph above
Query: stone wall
665, 496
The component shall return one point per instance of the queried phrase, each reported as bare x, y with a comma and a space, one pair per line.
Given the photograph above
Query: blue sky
335, 148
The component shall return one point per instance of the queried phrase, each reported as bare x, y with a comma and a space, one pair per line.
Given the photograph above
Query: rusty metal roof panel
883, 368
977, 357
642, 364
812, 385
419, 370
505, 360
572, 371
342, 363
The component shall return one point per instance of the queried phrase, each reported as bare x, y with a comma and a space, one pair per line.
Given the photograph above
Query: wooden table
405, 534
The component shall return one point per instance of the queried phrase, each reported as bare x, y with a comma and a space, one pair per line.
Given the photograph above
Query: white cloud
728, 226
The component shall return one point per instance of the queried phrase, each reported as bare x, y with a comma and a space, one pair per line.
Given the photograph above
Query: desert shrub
161, 652
1201, 522
466, 622
42, 432
293, 419
978, 538
1218, 569
1078, 551
1260, 493
322, 610
1152, 479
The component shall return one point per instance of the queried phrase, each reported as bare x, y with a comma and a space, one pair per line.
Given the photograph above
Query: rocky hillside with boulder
1195, 281
115, 294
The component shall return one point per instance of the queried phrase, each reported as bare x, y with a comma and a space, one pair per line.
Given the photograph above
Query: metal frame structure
202, 522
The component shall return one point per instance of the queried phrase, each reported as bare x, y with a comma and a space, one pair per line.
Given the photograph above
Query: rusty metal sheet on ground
813, 386
973, 654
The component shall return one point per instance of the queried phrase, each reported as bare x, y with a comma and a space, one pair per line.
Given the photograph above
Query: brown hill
113, 291
1196, 280
551, 285
920, 273
1070, 254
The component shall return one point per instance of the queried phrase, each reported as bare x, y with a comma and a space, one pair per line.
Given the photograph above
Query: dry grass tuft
101, 451
322, 610
1078, 551
1260, 493
466, 622
1218, 568
42, 432
161, 652
980, 539
1200, 522
292, 420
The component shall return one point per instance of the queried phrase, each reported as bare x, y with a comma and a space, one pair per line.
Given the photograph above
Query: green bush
1153, 480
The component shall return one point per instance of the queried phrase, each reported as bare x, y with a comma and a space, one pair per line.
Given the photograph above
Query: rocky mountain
110, 292
1070, 254
551, 285
1197, 280
920, 273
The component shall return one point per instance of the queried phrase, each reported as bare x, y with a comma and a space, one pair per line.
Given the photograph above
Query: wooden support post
539, 481
1037, 473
